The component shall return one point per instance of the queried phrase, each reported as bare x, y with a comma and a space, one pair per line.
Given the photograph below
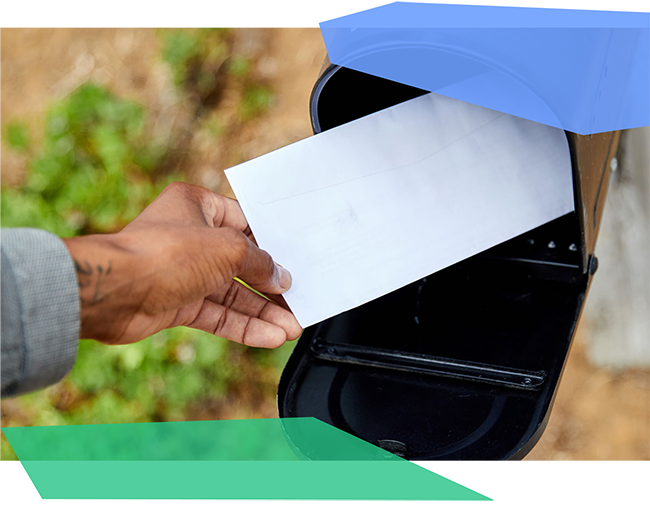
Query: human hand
174, 266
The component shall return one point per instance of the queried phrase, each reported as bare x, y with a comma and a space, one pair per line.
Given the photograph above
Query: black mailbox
465, 363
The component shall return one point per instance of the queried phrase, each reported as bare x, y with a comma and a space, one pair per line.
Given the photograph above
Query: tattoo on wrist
92, 279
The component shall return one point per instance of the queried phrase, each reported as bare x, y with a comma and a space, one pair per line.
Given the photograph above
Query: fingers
217, 210
203, 242
240, 315
228, 213
243, 300
278, 300
232, 325
177, 203
191, 204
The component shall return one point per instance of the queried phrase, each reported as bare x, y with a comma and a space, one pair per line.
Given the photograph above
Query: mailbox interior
463, 364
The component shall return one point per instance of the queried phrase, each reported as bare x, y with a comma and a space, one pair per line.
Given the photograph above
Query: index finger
184, 202
223, 211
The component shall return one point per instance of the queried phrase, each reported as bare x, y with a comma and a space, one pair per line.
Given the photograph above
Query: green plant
257, 99
155, 379
197, 58
204, 60
93, 170
17, 135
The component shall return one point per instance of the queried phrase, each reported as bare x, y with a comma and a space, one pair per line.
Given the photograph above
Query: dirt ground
598, 413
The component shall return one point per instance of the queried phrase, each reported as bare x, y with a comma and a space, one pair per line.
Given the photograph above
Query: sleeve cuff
48, 303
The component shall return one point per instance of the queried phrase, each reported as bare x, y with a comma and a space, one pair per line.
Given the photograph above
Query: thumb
253, 265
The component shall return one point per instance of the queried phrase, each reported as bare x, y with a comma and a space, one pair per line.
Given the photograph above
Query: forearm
108, 275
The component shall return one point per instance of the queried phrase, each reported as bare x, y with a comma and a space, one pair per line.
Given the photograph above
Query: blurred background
95, 123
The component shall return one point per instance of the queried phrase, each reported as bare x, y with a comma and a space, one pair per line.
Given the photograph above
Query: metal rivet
551, 244
573, 247
531, 241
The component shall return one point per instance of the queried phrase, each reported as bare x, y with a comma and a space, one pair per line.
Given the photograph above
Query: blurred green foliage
200, 58
96, 167
195, 54
93, 171
17, 135
256, 100
170, 376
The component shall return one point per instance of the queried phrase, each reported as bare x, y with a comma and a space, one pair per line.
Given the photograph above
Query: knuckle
221, 323
236, 238
185, 189
176, 186
269, 264
231, 295
236, 243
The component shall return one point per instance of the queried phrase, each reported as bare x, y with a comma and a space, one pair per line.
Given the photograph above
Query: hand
174, 266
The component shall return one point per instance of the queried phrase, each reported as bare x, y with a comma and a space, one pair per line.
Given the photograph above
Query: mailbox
465, 363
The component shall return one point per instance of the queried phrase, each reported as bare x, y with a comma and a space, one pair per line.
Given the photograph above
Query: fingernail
285, 278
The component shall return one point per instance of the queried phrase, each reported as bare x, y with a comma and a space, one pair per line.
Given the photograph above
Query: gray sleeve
40, 310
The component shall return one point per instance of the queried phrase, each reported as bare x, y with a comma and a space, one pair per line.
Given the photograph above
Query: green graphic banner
298, 458
292, 439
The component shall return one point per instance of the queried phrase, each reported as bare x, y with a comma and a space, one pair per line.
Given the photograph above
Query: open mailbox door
465, 363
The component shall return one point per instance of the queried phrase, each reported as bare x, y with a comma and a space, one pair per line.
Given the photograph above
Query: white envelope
363, 209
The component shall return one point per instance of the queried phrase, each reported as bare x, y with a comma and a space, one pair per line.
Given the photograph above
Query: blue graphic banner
582, 71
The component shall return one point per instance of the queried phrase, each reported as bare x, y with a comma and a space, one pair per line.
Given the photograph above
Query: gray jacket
40, 310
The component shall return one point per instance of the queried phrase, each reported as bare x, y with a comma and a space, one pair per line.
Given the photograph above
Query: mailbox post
465, 363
